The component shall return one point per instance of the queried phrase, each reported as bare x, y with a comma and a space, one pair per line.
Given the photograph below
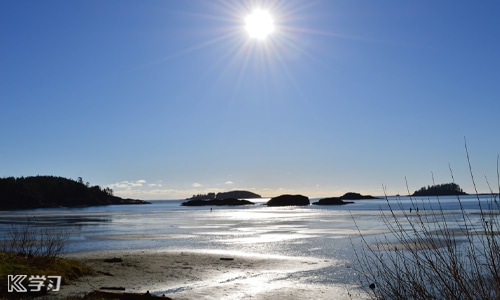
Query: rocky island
225, 195
332, 201
217, 202
356, 196
340, 200
289, 200
52, 191
231, 198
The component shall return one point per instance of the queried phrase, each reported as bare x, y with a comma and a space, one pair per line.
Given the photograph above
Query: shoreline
190, 274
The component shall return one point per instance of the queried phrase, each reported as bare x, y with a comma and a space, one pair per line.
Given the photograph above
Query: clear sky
166, 99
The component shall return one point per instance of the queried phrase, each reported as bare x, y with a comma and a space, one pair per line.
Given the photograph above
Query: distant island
356, 196
289, 200
217, 202
52, 191
446, 189
225, 195
332, 201
340, 200
231, 198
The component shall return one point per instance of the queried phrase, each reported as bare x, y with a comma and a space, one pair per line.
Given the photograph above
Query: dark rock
288, 200
105, 273
113, 260
226, 258
332, 201
356, 196
217, 202
123, 296
112, 288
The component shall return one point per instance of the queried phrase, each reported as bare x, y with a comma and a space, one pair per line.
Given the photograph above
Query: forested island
225, 195
232, 198
53, 191
217, 202
446, 189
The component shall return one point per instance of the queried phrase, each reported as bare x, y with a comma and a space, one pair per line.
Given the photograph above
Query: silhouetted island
52, 191
446, 189
340, 200
217, 202
356, 196
332, 201
289, 200
225, 195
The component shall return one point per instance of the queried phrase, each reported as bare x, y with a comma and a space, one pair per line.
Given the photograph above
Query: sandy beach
203, 275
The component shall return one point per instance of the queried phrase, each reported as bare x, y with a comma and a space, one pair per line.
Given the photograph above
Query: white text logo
36, 283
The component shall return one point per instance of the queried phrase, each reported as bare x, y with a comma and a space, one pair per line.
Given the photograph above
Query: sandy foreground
205, 275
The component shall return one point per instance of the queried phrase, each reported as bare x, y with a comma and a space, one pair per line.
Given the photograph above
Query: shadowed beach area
201, 275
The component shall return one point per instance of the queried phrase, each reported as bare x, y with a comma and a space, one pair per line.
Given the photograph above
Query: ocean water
329, 232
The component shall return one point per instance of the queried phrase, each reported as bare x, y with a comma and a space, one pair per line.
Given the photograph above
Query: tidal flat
275, 252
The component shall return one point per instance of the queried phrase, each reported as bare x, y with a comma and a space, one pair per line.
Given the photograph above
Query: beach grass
34, 252
15, 264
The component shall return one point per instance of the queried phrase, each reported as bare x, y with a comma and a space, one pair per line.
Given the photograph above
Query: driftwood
125, 296
113, 260
112, 288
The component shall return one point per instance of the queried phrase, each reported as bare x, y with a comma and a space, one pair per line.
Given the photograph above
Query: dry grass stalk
30, 242
432, 254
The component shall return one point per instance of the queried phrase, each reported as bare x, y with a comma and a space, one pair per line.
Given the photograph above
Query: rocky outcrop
340, 200
217, 202
332, 201
356, 196
288, 200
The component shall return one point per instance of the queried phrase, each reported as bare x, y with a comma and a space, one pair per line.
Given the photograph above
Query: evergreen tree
446, 189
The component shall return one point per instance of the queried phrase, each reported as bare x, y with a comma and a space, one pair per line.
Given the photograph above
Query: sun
259, 24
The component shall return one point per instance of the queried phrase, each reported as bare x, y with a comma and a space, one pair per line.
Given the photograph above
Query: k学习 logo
36, 283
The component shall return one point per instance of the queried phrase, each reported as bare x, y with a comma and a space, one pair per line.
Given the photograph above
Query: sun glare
259, 24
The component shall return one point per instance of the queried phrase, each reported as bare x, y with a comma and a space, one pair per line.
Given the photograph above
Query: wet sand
204, 275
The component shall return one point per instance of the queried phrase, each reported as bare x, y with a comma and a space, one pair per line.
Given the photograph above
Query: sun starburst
259, 24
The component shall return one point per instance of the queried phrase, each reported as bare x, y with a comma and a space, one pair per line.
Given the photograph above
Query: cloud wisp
128, 184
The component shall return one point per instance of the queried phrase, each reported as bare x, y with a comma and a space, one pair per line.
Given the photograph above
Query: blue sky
165, 99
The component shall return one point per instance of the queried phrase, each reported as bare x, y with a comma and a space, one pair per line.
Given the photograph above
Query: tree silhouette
53, 191
446, 189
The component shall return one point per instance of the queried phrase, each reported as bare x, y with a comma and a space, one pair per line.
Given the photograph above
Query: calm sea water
328, 232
